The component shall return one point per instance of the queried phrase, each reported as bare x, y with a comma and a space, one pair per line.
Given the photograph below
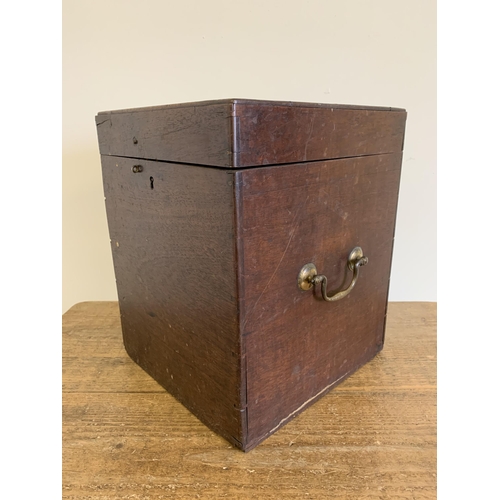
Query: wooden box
220, 213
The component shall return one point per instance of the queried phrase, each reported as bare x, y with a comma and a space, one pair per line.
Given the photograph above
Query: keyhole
152, 181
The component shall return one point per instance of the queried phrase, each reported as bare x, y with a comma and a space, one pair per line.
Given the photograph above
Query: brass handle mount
308, 276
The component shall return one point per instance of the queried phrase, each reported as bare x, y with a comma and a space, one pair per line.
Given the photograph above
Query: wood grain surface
236, 133
273, 133
124, 437
206, 263
296, 345
173, 253
200, 133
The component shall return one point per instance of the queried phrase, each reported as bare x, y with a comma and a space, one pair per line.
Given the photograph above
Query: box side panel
278, 134
199, 134
297, 345
172, 237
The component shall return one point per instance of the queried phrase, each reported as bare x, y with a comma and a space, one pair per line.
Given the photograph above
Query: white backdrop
122, 54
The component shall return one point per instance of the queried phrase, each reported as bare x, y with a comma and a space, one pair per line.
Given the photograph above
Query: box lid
237, 133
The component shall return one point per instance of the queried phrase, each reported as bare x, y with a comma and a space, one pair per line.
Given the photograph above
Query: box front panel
198, 133
172, 237
296, 345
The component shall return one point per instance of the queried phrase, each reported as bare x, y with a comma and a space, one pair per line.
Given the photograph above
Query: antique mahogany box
252, 245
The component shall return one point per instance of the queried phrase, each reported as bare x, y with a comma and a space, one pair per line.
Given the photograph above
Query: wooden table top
124, 437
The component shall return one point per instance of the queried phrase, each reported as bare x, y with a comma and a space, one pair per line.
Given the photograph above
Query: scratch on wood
283, 420
295, 224
104, 121
309, 138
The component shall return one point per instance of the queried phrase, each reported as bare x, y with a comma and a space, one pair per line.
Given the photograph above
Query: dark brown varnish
173, 252
206, 259
236, 133
296, 344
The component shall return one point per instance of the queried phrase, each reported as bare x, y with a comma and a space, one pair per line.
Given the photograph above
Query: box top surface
240, 133
257, 102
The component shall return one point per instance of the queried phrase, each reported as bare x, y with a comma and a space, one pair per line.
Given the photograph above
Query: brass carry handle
308, 275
